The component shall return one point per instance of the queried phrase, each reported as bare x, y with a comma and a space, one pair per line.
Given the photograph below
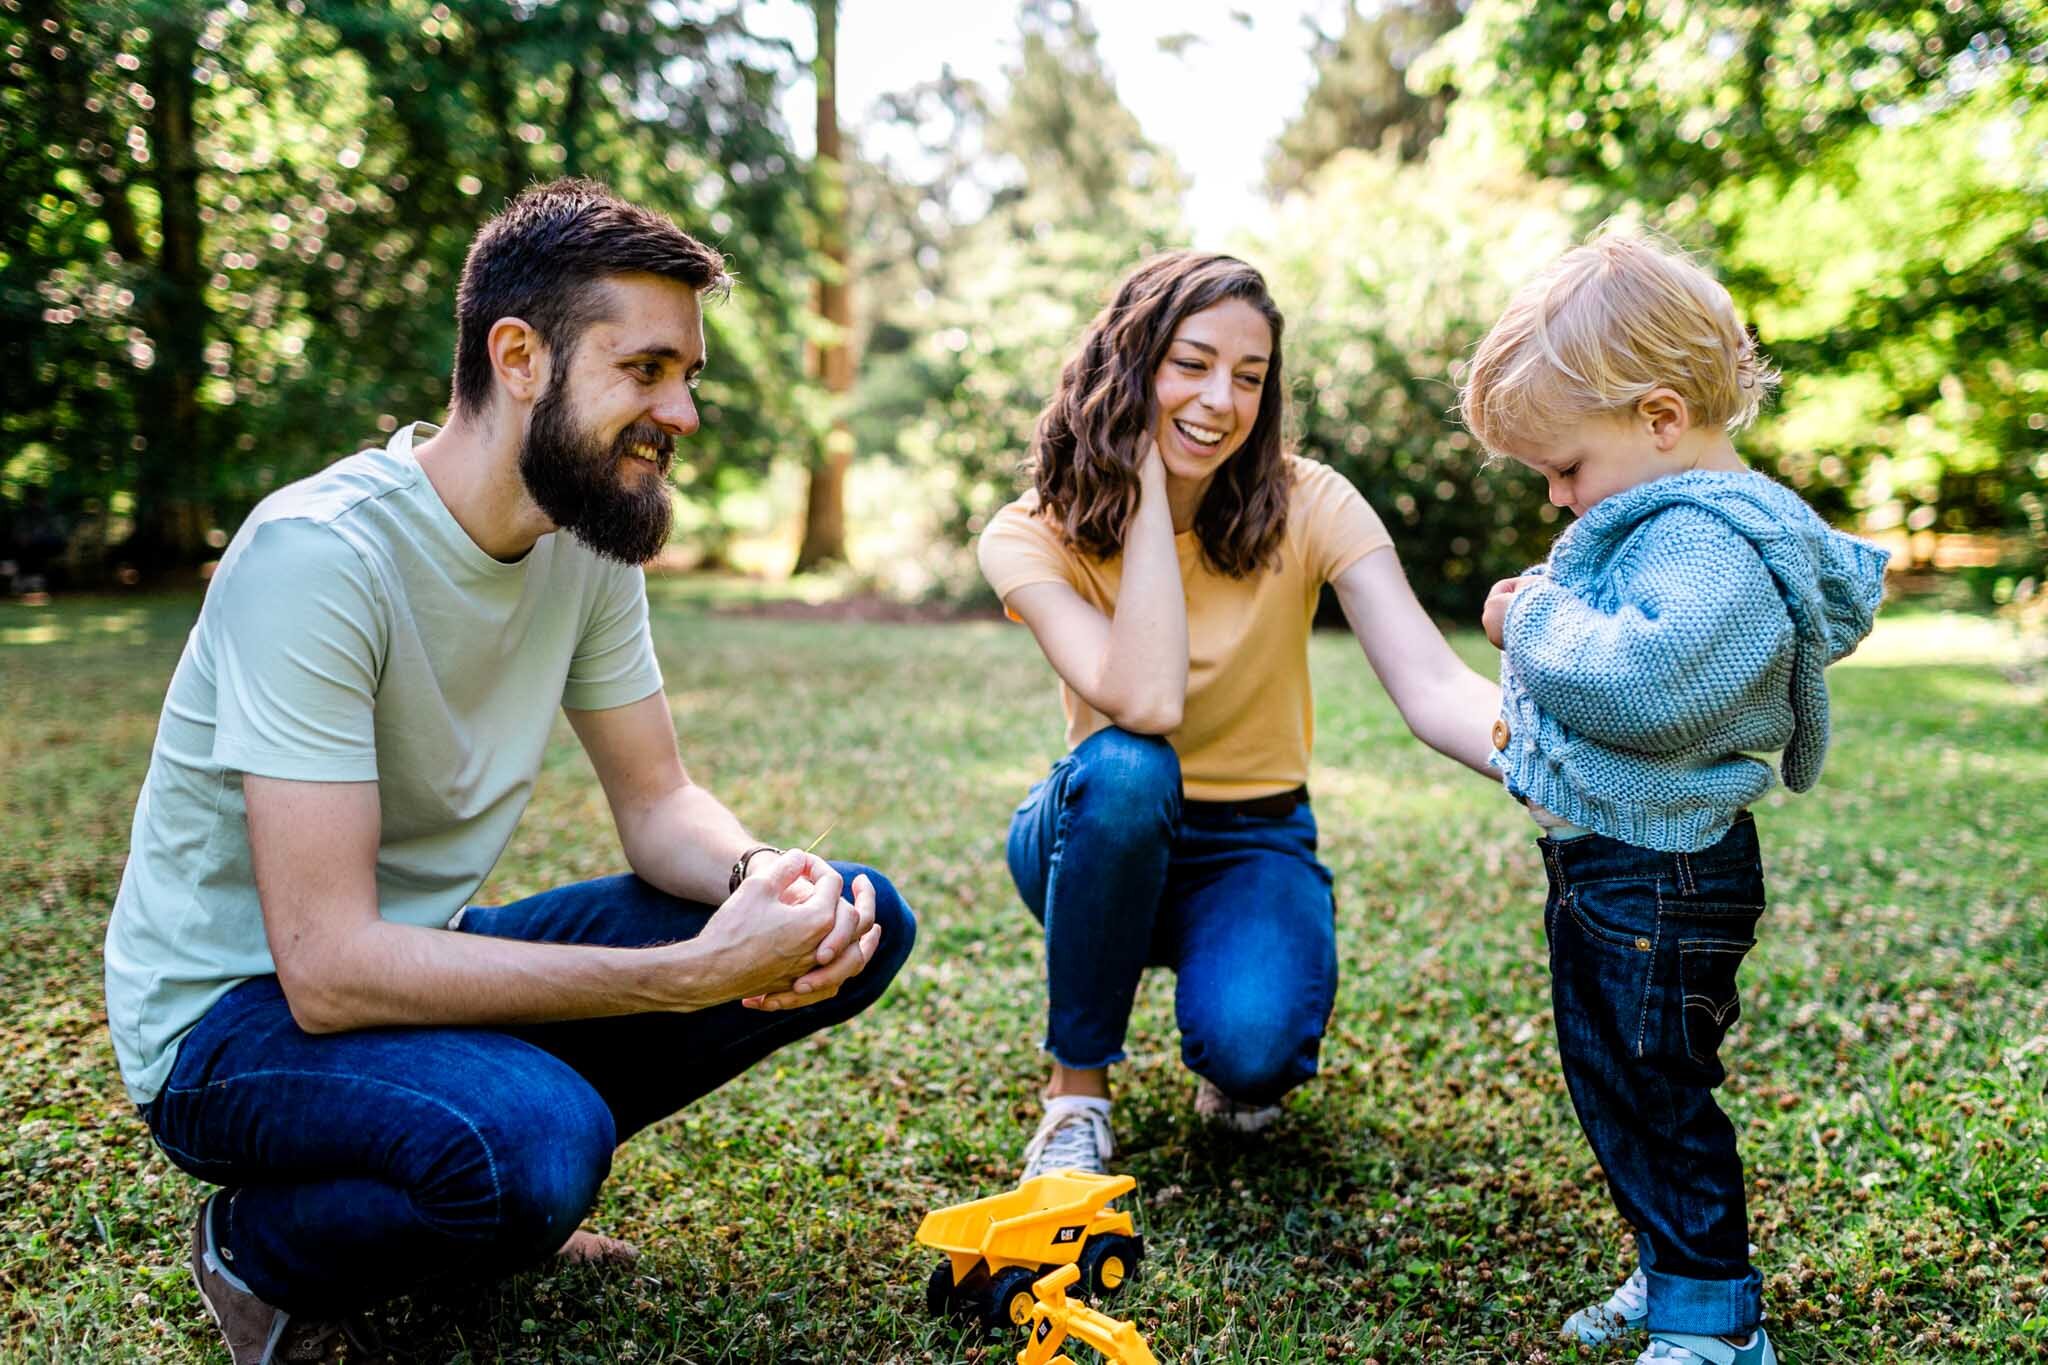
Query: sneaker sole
194, 1268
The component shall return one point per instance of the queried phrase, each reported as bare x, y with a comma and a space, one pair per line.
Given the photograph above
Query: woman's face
1208, 386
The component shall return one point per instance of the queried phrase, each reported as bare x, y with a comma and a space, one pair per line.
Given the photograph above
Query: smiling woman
1168, 562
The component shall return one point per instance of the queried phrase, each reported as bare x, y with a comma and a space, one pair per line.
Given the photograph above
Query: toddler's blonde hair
1599, 329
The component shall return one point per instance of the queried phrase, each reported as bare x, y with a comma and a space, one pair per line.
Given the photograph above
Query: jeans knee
1125, 780
1252, 1066
547, 1181
518, 1175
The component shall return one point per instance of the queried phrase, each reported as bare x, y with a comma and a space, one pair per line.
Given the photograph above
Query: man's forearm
686, 843
388, 973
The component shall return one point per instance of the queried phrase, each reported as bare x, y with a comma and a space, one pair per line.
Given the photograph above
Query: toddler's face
1598, 457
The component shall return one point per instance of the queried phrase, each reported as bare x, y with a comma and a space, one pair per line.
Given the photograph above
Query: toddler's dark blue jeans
1123, 873
1644, 948
386, 1161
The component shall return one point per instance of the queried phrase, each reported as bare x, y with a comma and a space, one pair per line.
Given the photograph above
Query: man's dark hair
544, 259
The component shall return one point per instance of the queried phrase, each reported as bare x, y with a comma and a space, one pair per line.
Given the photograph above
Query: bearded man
395, 1087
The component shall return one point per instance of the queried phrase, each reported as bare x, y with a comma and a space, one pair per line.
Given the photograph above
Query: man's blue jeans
370, 1164
1123, 875
1644, 948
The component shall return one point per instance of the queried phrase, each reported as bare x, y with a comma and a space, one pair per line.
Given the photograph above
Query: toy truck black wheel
1107, 1262
1010, 1299
939, 1298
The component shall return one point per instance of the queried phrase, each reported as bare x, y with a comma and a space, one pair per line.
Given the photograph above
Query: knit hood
1831, 583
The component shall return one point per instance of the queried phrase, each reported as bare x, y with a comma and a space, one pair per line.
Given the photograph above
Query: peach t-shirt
1249, 718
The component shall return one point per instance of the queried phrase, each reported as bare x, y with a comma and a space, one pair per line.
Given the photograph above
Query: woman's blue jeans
380, 1162
1123, 875
1644, 949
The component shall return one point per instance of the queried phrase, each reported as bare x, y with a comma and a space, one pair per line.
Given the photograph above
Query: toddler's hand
1495, 612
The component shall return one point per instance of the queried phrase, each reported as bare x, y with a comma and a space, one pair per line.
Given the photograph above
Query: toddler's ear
1666, 415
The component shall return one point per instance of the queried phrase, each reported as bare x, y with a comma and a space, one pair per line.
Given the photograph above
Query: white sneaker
1627, 1310
1074, 1135
1218, 1108
1672, 1348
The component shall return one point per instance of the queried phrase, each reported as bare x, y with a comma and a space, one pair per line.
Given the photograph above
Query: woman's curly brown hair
1085, 450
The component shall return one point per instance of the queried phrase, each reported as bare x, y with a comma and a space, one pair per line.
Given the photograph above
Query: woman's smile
1200, 439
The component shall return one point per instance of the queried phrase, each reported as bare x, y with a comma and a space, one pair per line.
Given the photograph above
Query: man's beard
574, 478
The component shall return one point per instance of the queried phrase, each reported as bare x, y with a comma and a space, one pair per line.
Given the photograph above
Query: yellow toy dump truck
1054, 1319
996, 1247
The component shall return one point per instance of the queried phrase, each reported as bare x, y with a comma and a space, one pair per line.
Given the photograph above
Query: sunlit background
232, 233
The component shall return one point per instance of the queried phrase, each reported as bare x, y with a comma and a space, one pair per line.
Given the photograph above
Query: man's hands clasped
788, 937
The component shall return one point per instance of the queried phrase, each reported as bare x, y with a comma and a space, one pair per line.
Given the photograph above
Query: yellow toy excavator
1054, 1318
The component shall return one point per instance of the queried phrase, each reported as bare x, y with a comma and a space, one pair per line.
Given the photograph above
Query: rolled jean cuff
1061, 1057
1707, 1308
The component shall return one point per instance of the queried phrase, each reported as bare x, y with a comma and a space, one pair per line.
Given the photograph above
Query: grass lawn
1428, 1198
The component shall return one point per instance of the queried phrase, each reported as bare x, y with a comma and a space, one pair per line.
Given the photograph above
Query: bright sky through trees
1212, 81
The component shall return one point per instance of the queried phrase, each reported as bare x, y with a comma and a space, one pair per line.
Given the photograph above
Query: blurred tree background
231, 233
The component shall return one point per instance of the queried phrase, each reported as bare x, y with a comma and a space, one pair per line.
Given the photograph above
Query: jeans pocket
1710, 1003
1622, 914
1603, 955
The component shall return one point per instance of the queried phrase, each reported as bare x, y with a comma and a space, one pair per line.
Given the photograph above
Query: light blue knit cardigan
1679, 627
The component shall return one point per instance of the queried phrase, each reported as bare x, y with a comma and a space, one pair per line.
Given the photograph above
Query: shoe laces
1073, 1133
1631, 1298
310, 1341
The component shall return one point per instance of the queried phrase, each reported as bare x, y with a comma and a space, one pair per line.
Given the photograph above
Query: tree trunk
832, 361
172, 513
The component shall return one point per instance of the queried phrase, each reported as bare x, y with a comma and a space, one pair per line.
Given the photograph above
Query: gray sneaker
255, 1332
1626, 1310
1674, 1348
1074, 1135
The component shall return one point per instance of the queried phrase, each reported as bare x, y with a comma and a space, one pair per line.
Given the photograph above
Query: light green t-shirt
353, 632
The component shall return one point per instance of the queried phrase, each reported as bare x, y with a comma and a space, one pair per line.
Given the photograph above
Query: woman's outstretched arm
1447, 705
1131, 666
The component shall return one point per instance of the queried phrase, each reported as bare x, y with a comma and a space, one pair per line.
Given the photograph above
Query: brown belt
1278, 806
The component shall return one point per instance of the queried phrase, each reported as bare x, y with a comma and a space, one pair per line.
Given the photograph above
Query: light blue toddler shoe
1627, 1310
1678, 1348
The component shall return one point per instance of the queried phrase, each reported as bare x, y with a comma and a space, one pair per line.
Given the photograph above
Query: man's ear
1666, 415
517, 358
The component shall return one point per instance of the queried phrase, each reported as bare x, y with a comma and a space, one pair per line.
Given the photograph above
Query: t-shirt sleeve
614, 661
1338, 526
297, 634
1020, 548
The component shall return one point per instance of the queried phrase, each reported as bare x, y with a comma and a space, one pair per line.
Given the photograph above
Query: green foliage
340, 156
1361, 96
1428, 1197
236, 230
1015, 250
1078, 153
1390, 272
1869, 178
